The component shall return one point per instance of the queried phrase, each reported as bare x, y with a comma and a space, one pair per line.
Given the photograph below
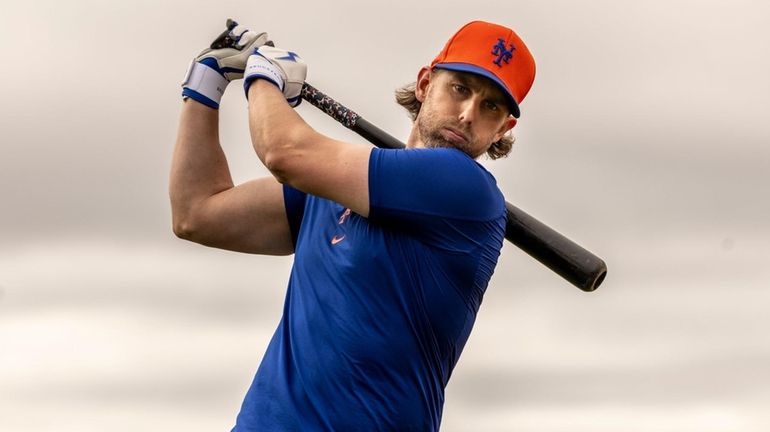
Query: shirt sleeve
431, 192
294, 203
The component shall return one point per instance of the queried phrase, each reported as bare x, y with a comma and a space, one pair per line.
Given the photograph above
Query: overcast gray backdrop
644, 138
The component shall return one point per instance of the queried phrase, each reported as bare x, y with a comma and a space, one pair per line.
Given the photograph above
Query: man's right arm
207, 208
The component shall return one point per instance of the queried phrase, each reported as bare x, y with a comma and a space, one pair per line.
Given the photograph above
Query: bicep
250, 218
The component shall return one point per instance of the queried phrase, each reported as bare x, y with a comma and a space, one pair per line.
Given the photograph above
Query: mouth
454, 135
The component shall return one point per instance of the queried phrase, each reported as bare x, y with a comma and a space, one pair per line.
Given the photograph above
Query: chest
332, 235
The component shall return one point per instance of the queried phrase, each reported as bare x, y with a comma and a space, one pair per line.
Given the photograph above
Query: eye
491, 106
459, 88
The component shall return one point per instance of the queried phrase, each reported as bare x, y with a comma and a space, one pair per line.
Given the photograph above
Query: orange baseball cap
495, 52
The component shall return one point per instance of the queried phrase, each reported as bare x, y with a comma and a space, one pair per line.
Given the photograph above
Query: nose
467, 111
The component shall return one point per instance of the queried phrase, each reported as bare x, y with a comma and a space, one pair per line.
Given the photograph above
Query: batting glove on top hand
224, 61
283, 68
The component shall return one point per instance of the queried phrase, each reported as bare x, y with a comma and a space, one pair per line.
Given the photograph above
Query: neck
414, 140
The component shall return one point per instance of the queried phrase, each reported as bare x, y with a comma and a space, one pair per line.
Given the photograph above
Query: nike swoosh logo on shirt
336, 239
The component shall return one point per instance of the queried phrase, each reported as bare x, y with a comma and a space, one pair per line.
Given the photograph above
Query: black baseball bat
560, 254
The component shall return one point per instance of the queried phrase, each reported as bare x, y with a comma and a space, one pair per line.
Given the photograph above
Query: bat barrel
560, 254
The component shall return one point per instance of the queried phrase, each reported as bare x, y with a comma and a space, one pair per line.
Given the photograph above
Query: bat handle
224, 40
349, 118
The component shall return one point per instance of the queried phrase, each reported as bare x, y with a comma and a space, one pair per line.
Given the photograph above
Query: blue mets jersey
378, 309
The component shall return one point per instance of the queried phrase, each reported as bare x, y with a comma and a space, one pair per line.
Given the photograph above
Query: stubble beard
430, 133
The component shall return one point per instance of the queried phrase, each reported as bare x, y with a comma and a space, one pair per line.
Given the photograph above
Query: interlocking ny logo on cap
502, 53
488, 49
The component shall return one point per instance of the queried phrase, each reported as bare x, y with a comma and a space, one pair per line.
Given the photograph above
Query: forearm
299, 156
294, 152
199, 168
278, 133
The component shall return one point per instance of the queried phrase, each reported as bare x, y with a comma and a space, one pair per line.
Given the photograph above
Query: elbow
278, 164
184, 222
284, 157
182, 227
180, 224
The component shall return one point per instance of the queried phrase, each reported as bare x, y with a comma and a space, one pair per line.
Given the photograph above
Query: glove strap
204, 85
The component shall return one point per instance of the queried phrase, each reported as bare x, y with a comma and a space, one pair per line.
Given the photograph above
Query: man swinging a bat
393, 249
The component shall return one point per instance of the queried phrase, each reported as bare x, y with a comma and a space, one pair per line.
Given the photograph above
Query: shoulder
448, 178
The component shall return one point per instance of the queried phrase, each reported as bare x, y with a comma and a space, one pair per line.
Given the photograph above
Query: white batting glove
224, 61
283, 68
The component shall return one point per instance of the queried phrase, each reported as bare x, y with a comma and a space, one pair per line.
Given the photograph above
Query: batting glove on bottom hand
224, 61
283, 68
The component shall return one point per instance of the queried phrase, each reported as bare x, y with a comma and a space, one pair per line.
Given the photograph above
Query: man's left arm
294, 152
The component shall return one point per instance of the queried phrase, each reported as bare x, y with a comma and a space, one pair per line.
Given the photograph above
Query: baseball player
393, 249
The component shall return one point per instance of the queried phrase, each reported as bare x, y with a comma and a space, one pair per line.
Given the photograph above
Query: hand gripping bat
560, 254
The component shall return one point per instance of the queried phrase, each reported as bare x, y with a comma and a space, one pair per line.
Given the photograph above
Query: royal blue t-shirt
378, 309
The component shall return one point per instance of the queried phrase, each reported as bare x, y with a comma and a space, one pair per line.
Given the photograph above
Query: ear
423, 81
509, 123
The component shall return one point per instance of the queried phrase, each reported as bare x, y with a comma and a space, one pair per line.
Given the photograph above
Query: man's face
460, 110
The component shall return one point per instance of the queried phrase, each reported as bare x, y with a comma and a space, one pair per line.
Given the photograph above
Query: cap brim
465, 67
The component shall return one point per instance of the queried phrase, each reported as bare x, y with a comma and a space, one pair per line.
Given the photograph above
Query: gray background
644, 138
